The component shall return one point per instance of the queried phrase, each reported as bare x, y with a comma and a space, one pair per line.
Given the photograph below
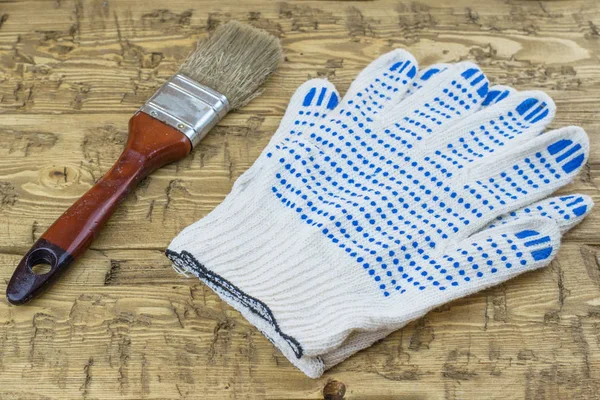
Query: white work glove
351, 225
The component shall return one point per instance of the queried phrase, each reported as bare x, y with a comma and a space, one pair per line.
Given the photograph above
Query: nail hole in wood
334, 390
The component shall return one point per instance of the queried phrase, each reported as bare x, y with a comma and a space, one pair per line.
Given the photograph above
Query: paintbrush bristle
235, 60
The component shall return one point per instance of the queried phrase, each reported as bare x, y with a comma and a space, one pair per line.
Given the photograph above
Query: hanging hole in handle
41, 261
41, 268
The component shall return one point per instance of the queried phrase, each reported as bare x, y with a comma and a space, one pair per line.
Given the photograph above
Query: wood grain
121, 324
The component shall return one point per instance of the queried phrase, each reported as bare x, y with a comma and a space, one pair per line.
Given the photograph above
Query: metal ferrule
184, 104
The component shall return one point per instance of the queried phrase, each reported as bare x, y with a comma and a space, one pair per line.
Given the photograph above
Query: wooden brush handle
151, 145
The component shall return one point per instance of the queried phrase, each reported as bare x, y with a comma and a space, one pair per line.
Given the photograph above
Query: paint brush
223, 73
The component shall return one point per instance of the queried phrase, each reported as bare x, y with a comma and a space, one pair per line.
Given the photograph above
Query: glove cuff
254, 310
275, 269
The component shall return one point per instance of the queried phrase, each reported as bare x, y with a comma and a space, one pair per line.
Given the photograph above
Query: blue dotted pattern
459, 97
378, 203
487, 256
459, 149
564, 210
314, 108
425, 76
366, 102
494, 96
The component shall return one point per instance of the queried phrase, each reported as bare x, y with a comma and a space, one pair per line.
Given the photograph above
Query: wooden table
122, 324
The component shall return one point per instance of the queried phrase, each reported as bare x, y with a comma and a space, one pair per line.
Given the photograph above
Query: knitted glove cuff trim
254, 310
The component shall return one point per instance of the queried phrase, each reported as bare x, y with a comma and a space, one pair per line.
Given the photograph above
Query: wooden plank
122, 324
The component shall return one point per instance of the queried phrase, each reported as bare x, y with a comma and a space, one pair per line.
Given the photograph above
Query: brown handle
151, 144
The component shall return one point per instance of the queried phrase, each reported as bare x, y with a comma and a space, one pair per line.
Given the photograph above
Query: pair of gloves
362, 214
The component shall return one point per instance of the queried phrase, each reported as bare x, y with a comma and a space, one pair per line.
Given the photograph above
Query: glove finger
381, 85
518, 117
449, 96
309, 106
478, 262
566, 211
521, 175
